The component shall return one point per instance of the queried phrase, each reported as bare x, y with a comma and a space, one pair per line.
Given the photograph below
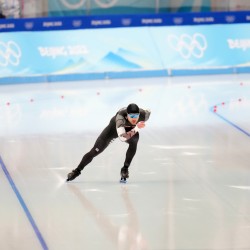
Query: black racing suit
110, 133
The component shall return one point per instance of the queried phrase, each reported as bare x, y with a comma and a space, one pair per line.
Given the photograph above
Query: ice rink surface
189, 185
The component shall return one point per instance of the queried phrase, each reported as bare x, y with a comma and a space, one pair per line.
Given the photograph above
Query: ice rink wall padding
84, 48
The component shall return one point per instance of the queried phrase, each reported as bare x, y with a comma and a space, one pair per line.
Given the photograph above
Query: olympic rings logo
188, 46
73, 6
10, 53
80, 3
106, 3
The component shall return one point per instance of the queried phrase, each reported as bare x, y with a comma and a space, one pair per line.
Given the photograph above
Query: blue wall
141, 48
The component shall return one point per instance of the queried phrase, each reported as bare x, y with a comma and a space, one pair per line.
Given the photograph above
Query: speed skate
124, 174
123, 180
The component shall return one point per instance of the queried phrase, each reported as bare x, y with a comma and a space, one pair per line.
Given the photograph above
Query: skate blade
68, 179
123, 181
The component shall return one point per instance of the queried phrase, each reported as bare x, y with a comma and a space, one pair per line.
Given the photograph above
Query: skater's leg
100, 145
131, 149
129, 155
98, 148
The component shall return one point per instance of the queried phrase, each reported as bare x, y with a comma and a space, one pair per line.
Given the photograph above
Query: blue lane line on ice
25, 208
230, 123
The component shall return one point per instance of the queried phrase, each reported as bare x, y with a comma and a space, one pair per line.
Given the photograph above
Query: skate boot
124, 174
72, 175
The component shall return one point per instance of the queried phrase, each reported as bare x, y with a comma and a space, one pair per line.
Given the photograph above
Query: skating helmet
133, 108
